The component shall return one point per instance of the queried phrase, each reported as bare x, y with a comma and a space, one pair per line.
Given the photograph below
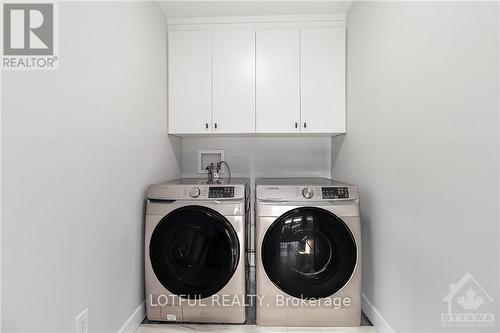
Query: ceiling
251, 8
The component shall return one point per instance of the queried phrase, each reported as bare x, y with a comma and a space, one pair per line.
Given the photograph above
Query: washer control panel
196, 189
335, 192
221, 192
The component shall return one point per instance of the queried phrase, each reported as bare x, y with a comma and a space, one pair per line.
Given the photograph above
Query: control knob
307, 192
194, 192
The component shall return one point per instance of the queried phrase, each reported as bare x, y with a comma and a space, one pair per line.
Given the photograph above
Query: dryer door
194, 251
309, 253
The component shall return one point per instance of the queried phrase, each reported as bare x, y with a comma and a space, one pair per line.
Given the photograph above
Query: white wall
423, 144
79, 147
263, 156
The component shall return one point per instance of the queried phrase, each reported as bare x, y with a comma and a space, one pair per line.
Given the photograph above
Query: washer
195, 251
308, 253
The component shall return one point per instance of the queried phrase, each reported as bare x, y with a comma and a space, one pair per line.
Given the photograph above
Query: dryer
195, 251
308, 253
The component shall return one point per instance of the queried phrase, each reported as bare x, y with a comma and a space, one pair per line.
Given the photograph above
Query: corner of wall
134, 320
375, 316
336, 146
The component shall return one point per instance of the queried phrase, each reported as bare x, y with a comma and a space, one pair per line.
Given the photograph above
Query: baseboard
134, 320
375, 317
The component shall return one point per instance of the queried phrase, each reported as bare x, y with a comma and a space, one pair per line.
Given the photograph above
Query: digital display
221, 192
335, 192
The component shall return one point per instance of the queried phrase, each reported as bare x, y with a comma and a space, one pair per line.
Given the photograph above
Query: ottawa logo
469, 305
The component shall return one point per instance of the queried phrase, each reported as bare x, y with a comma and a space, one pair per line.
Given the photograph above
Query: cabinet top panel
256, 19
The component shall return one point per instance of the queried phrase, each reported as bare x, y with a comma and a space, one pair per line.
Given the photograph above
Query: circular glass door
309, 253
194, 251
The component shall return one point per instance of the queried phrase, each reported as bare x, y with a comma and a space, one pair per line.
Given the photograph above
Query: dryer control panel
301, 193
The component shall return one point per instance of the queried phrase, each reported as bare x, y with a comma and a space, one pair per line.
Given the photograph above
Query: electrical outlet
82, 322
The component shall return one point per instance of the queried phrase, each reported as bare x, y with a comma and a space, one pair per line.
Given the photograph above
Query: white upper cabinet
323, 80
189, 82
278, 81
265, 75
233, 79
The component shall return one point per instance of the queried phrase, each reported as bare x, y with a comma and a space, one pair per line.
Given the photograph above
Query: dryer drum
309, 253
194, 251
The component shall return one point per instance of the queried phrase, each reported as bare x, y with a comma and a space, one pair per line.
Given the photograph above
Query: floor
171, 328
155, 327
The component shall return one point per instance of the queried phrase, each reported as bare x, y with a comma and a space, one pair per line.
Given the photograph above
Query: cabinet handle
305, 125
296, 125
215, 125
206, 125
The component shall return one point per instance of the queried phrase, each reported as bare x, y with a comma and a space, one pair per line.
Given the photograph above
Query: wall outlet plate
82, 322
205, 157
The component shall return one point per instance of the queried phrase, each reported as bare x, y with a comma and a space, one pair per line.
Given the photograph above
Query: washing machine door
309, 253
194, 251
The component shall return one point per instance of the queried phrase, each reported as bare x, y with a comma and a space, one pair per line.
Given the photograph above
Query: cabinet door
323, 80
233, 78
189, 81
278, 81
